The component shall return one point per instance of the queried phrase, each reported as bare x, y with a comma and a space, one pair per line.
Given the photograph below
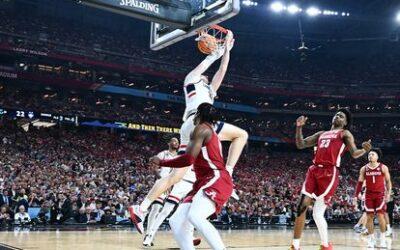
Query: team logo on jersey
211, 194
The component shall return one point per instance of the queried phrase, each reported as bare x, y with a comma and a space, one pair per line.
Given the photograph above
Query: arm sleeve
182, 161
358, 188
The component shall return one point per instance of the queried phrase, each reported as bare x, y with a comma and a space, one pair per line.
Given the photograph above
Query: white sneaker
371, 244
148, 240
383, 243
389, 233
137, 217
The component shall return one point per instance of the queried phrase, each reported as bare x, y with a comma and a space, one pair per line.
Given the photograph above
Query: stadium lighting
249, 3
313, 11
293, 9
277, 7
398, 17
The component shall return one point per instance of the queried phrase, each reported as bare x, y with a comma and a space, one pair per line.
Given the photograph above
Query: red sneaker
329, 247
137, 217
196, 241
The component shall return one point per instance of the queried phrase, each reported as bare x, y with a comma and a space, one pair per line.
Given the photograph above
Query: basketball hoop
211, 38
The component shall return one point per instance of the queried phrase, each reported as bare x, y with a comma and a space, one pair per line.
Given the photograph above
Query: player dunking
158, 204
322, 177
213, 185
378, 189
197, 90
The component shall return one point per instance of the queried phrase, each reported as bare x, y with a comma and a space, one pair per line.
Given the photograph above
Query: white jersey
165, 155
196, 92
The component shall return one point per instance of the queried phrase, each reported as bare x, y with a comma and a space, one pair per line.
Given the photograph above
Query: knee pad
301, 207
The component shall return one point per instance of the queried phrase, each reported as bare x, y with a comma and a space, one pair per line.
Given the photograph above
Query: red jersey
210, 158
330, 148
211, 175
375, 179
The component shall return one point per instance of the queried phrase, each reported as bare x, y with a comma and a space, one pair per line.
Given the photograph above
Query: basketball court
275, 238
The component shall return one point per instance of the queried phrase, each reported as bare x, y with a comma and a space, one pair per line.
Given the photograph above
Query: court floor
106, 238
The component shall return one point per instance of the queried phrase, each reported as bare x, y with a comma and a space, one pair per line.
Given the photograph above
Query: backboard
204, 13
171, 20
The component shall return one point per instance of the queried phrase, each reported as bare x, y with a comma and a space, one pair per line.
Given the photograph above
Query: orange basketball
207, 43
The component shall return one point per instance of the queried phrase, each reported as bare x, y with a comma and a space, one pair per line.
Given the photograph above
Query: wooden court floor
109, 239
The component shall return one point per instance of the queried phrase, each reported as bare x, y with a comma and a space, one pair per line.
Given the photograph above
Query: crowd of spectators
79, 175
283, 69
111, 107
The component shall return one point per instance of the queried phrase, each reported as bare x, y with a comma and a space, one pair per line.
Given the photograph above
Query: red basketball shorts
321, 182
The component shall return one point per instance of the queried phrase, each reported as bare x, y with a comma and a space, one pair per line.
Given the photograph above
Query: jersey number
325, 143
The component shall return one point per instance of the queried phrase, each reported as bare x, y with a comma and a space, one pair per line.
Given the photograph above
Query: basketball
207, 43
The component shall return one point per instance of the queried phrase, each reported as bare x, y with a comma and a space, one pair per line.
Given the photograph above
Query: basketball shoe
293, 248
137, 217
329, 247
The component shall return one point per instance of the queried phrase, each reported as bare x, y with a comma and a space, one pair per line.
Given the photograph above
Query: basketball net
211, 38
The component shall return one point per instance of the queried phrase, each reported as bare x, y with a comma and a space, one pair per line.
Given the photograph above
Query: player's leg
138, 213
154, 212
164, 213
319, 219
306, 200
327, 182
202, 207
370, 227
389, 218
299, 222
382, 227
181, 227
238, 138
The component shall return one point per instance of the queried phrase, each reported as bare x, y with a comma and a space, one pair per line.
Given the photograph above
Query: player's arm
201, 134
309, 141
388, 182
354, 151
220, 74
361, 179
195, 75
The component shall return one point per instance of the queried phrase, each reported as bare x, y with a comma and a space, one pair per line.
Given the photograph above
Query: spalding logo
152, 7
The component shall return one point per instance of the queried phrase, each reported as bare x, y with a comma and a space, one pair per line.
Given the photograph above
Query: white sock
388, 226
182, 228
155, 210
383, 236
202, 207
322, 225
144, 206
166, 210
296, 243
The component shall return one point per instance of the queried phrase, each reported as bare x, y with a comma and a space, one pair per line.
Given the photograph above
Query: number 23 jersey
330, 148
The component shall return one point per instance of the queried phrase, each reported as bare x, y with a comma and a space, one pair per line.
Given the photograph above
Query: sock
229, 169
144, 206
154, 212
383, 236
166, 210
388, 226
296, 243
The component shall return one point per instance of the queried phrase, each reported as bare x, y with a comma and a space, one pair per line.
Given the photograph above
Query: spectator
22, 217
